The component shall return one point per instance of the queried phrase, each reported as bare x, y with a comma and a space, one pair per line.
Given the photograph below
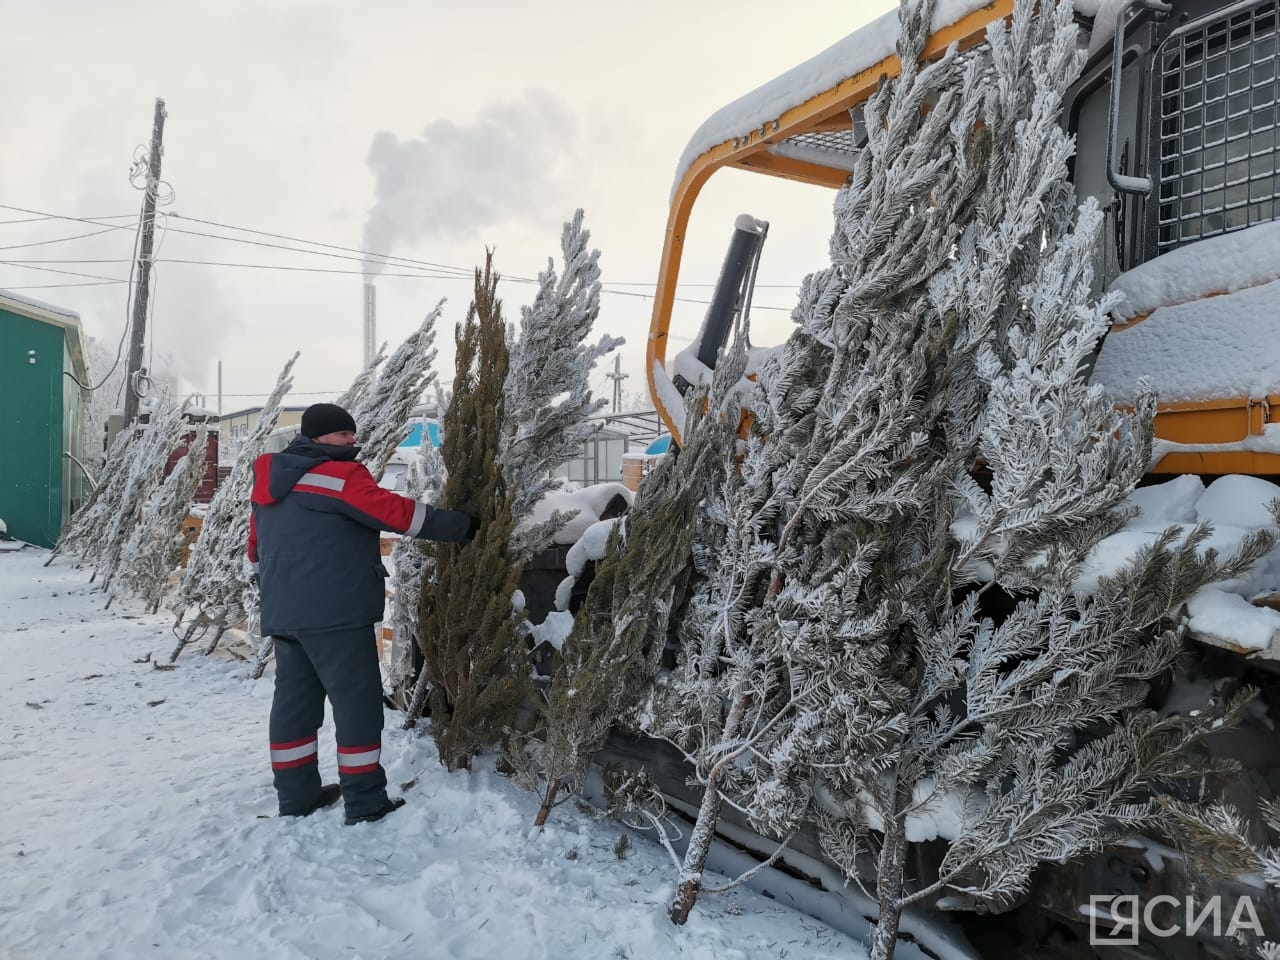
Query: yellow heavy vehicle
1175, 117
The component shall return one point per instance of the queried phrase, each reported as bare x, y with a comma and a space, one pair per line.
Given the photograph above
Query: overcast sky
422, 129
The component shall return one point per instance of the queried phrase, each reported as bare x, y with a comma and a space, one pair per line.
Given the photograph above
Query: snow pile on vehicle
1234, 506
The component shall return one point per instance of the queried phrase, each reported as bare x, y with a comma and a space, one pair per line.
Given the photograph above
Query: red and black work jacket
313, 536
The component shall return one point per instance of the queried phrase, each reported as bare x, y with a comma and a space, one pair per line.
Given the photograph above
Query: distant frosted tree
474, 660
548, 389
216, 589
81, 536
157, 545
837, 659
161, 435
382, 413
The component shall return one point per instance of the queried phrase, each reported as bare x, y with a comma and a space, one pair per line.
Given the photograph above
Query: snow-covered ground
139, 822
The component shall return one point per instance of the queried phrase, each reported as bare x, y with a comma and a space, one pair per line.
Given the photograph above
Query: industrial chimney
370, 323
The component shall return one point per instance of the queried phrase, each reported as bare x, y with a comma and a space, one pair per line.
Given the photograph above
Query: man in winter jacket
313, 541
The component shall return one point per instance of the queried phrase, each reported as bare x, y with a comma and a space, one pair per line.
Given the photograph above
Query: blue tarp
661, 445
415, 435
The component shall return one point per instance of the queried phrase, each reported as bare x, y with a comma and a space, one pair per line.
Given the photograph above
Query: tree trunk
695, 858
213, 644
889, 877
418, 701
264, 652
704, 831
186, 638
548, 801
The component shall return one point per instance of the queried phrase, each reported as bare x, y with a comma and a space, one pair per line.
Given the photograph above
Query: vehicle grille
1218, 84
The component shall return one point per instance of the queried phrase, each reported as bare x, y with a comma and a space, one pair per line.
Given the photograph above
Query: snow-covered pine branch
548, 390
382, 413
157, 545
216, 584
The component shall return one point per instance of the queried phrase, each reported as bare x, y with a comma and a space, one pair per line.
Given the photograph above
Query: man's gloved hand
449, 526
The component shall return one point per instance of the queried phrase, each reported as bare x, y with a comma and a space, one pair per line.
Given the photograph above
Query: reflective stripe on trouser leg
346, 662
353, 760
297, 710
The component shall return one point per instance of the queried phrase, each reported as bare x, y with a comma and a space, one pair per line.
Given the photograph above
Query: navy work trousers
343, 665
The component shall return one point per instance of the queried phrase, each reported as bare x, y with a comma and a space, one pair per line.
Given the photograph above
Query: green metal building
42, 410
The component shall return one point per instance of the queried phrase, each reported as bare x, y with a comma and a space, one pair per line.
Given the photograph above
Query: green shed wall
33, 411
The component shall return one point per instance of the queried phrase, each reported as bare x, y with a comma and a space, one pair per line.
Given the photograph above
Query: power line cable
70, 273
331, 246
453, 273
50, 286
383, 258
42, 243
54, 216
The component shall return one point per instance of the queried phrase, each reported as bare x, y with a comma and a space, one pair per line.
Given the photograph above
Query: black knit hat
321, 418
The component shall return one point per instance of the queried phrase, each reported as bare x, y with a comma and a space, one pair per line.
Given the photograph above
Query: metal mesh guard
1218, 146
842, 141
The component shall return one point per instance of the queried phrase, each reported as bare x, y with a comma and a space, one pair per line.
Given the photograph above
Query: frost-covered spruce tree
412, 564
608, 662
475, 662
845, 412
216, 590
81, 535
157, 545
548, 390
161, 435
880, 694
382, 415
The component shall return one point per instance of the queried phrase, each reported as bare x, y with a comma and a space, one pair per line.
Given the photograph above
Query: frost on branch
548, 389
160, 436
412, 563
81, 537
357, 395
216, 591
157, 545
382, 409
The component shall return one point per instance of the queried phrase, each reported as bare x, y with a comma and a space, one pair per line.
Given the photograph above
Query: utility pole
617, 377
139, 320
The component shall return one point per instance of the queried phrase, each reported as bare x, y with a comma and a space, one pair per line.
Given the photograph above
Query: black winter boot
330, 793
393, 803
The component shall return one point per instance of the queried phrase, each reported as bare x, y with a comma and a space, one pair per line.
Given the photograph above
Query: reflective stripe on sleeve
293, 754
314, 479
359, 759
419, 518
